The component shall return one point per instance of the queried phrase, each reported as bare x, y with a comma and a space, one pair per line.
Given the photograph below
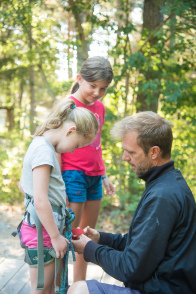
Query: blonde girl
66, 129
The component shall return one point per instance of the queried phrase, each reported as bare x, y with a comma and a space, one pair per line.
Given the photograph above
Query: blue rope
68, 235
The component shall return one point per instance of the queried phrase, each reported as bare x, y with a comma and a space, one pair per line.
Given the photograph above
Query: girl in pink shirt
83, 171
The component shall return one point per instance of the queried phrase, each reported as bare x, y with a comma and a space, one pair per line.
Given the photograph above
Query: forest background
151, 46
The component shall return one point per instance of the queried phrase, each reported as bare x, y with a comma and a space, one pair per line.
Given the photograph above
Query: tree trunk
31, 83
82, 51
10, 118
70, 73
46, 82
32, 99
20, 96
10, 109
152, 18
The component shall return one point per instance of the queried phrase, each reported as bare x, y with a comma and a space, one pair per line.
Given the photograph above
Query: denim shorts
81, 187
95, 287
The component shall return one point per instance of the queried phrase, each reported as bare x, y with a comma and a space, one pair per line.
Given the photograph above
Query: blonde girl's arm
41, 176
20, 187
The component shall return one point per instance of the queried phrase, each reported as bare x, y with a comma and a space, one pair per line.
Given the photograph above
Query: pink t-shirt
89, 158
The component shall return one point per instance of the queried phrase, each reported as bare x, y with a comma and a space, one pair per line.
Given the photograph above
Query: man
158, 254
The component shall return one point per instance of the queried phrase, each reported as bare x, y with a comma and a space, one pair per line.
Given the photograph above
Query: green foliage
12, 153
184, 145
128, 188
137, 60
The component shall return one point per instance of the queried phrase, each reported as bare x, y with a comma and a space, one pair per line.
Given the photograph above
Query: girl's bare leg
49, 271
78, 211
87, 214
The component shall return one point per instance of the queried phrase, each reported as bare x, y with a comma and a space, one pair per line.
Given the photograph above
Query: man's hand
93, 234
80, 244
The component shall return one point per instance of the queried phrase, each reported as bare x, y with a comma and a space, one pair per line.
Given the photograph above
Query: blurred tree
24, 57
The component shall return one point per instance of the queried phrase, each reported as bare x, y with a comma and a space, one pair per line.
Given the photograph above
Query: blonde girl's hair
152, 130
66, 111
96, 68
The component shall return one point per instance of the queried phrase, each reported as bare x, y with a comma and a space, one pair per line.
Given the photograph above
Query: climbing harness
43, 255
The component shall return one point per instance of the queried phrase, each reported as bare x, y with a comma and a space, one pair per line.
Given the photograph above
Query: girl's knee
78, 287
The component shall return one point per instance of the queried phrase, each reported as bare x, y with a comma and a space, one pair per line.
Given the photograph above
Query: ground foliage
154, 69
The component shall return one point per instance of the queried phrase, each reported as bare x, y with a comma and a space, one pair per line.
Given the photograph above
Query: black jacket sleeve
147, 242
115, 241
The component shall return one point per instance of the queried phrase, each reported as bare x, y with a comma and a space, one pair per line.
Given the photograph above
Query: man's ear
71, 130
155, 152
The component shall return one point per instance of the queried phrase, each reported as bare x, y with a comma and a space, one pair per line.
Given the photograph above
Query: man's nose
125, 156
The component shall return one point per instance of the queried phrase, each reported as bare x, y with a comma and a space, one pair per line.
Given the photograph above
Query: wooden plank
70, 274
1, 259
26, 289
18, 281
8, 268
14, 276
110, 280
94, 272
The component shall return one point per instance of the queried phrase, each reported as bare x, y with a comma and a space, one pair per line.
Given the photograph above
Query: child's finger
57, 254
67, 241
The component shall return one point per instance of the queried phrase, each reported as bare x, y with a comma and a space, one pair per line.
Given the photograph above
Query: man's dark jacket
158, 255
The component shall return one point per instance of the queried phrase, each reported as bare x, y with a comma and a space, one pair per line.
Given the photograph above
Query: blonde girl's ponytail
66, 111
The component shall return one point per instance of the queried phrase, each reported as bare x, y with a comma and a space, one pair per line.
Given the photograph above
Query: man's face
135, 155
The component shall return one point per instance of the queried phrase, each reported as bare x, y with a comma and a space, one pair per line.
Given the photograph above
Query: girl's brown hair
95, 68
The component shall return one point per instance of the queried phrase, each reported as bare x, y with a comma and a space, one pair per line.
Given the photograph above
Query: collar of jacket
157, 171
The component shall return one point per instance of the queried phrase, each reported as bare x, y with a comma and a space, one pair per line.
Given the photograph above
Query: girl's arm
20, 187
109, 188
41, 177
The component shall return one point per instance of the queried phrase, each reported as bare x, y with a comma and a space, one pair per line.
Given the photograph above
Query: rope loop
70, 216
68, 235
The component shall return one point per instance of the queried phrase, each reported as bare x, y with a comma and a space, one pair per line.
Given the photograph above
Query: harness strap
53, 253
57, 265
40, 250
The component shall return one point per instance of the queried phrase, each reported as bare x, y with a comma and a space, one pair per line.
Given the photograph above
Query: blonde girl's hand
92, 234
109, 188
59, 244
